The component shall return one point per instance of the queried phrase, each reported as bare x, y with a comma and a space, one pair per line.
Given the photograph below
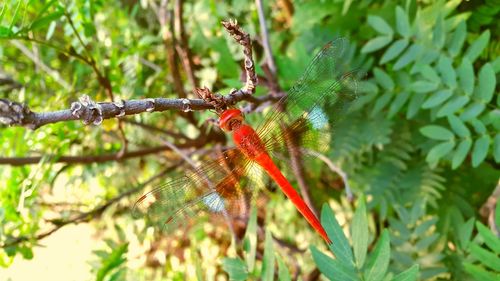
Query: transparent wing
313, 106
216, 188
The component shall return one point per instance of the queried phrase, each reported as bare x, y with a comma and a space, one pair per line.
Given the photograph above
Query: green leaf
478, 46
487, 258
376, 44
283, 273
438, 35
452, 106
496, 149
250, 242
402, 22
487, 83
379, 259
416, 102
408, 56
436, 132
429, 73
383, 79
458, 126
478, 126
5, 32
465, 233
411, 274
333, 269
394, 50
479, 273
340, 248
472, 111
423, 86
382, 102
114, 260
268, 259
480, 150
447, 72
466, 76
44, 21
489, 238
437, 98
457, 39
360, 233
235, 268
398, 103
460, 153
439, 151
380, 25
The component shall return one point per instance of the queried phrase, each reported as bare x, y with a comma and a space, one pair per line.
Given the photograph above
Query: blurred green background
420, 149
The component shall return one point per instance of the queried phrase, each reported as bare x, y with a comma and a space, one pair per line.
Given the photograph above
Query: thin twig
334, 168
183, 46
87, 216
89, 159
265, 38
244, 40
51, 72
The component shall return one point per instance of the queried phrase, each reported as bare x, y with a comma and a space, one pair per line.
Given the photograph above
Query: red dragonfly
301, 119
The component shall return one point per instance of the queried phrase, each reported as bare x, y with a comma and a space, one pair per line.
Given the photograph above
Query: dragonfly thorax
231, 119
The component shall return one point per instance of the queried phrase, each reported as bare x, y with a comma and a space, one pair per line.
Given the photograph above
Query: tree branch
87, 216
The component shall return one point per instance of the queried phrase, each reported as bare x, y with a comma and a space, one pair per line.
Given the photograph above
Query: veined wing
215, 188
315, 103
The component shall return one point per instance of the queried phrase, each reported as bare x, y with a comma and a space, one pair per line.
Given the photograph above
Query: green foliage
347, 266
420, 147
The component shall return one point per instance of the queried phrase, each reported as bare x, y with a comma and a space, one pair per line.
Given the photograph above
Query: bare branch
265, 38
244, 40
183, 46
87, 216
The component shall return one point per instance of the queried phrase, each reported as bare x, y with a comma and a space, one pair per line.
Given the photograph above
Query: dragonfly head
230, 119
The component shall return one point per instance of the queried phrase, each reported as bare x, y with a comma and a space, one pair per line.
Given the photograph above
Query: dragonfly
302, 119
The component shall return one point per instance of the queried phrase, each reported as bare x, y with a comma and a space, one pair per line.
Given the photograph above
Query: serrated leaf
340, 248
489, 238
408, 56
478, 46
472, 111
394, 50
423, 86
439, 151
235, 268
457, 39
452, 106
458, 126
402, 22
466, 76
480, 150
447, 72
332, 268
376, 44
496, 149
437, 98
411, 274
380, 25
487, 83
383, 79
398, 103
436, 132
268, 259
379, 259
360, 233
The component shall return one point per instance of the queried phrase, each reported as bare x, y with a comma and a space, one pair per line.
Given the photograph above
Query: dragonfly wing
314, 105
215, 188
